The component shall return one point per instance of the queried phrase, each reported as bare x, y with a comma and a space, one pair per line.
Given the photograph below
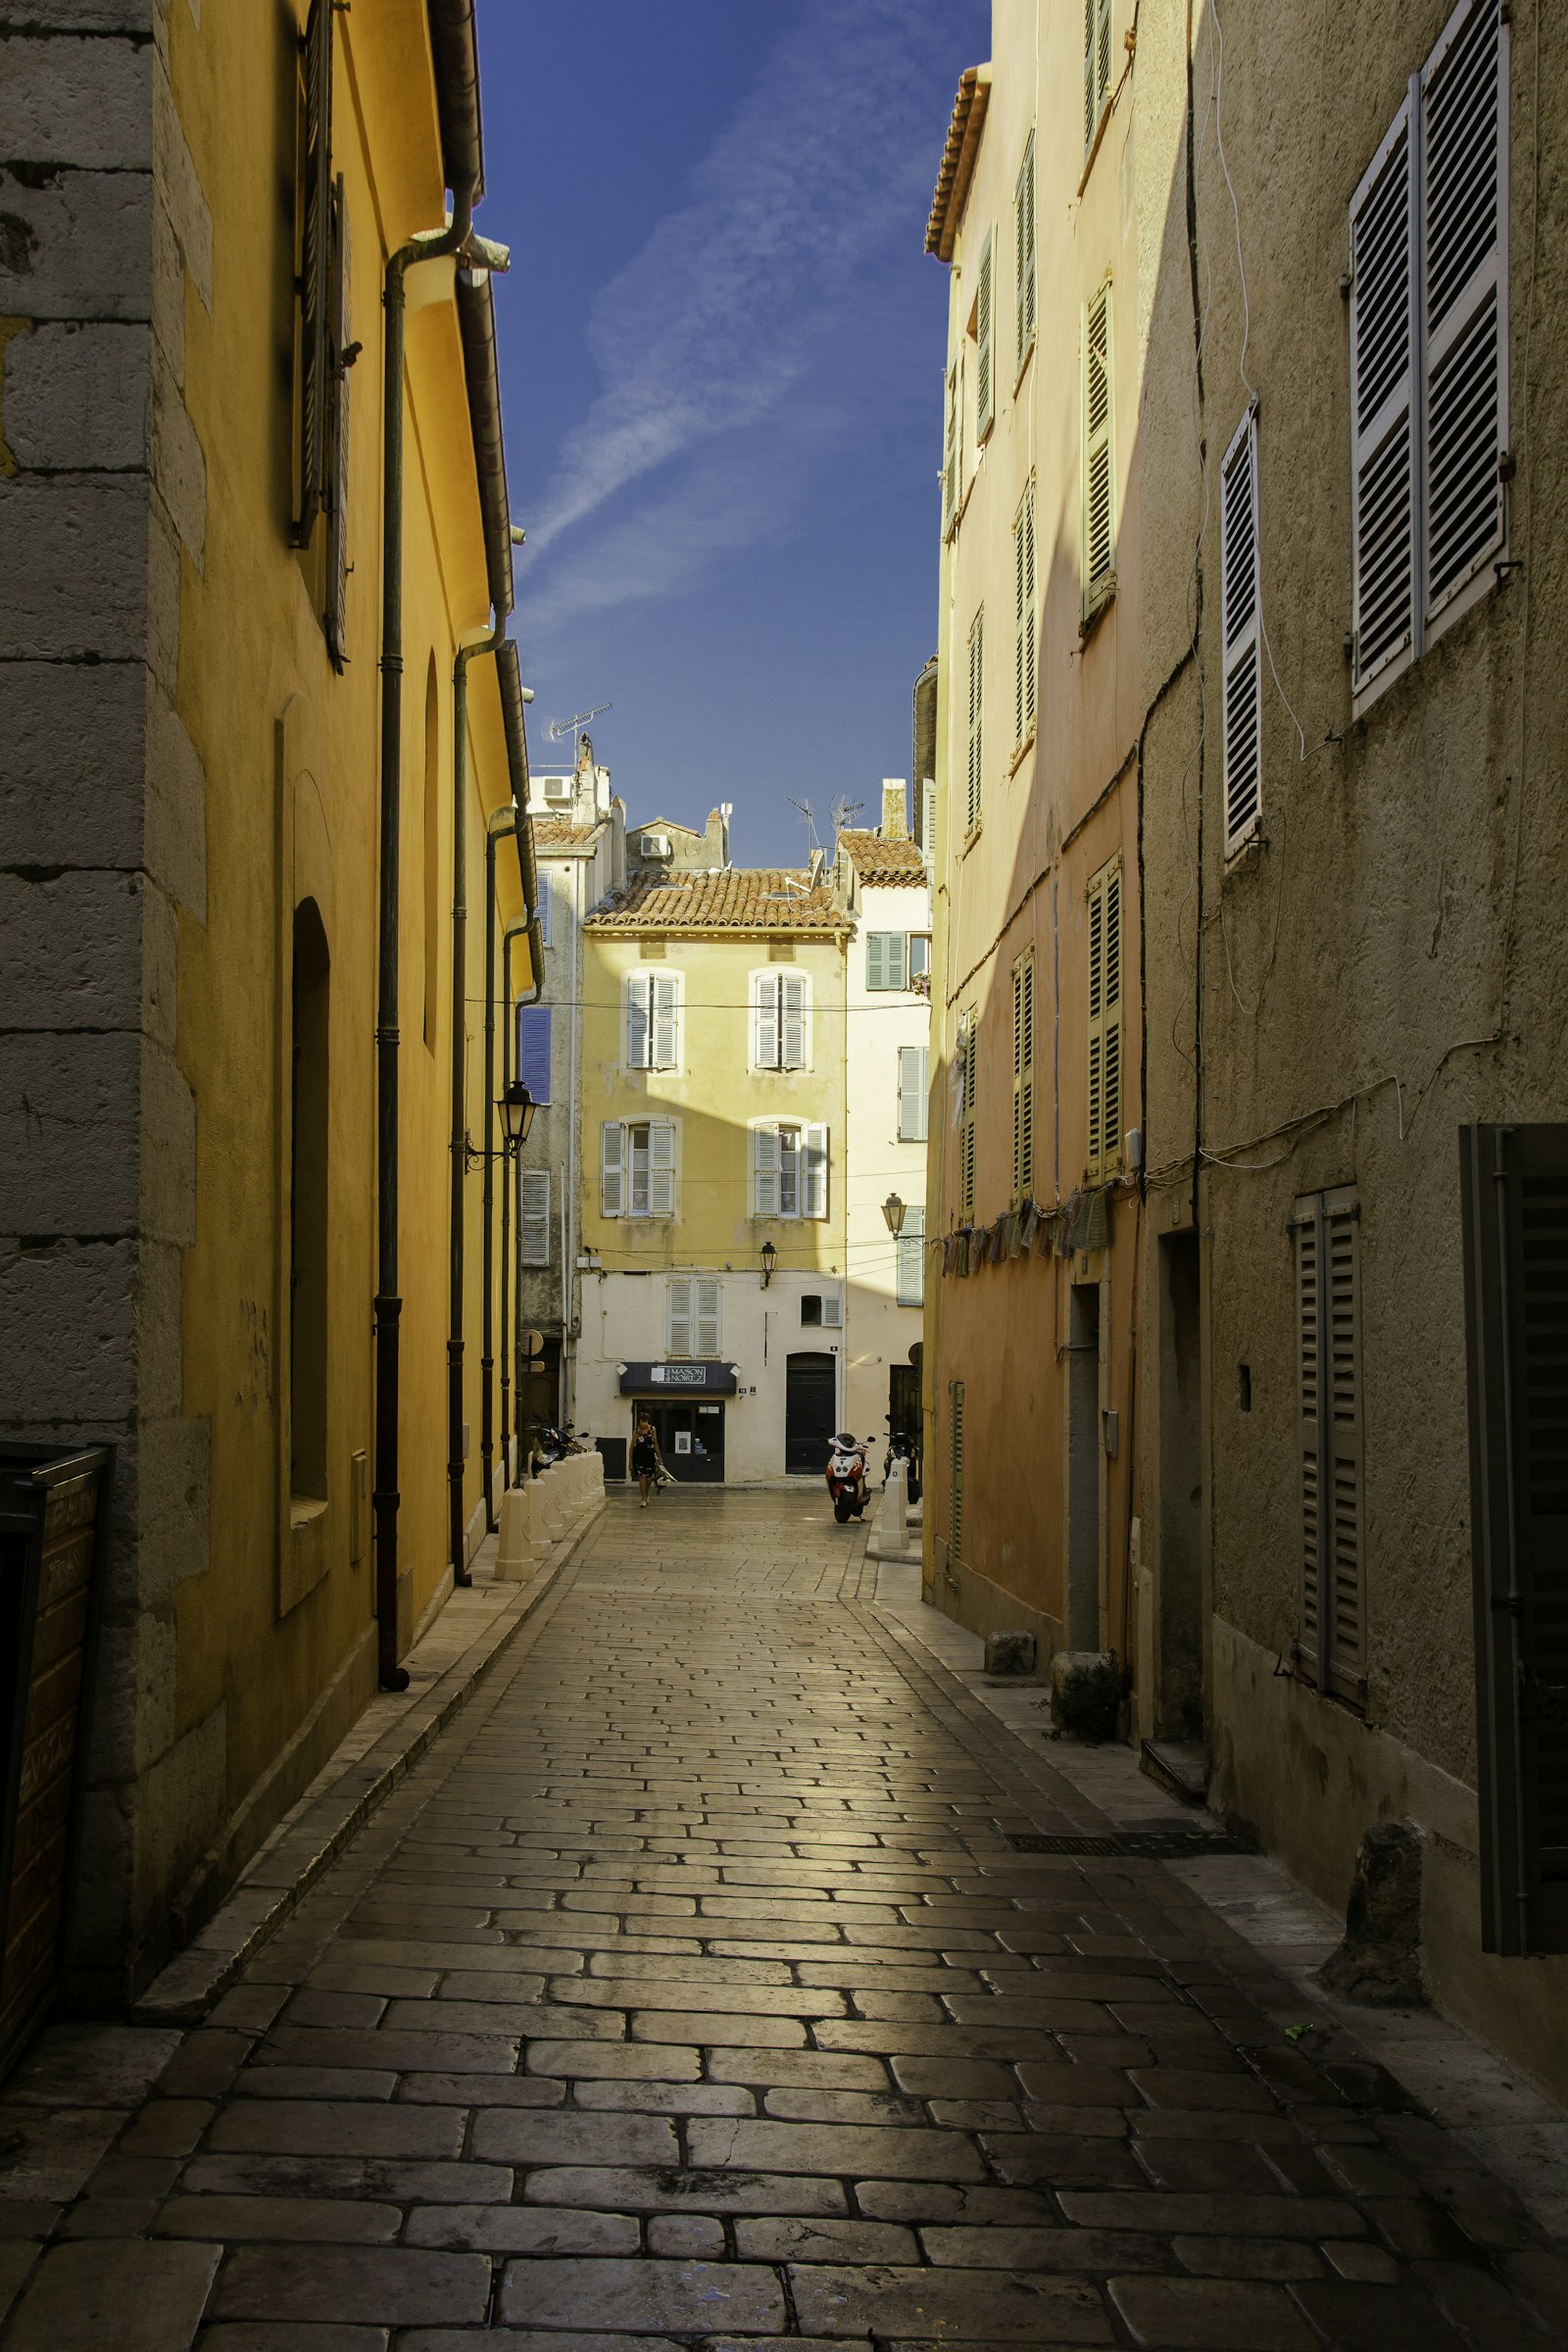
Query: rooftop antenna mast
809, 814
574, 726
842, 809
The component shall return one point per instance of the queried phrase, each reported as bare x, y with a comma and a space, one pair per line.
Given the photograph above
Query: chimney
895, 822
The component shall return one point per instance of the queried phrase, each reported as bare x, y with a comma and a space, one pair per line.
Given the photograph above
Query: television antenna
843, 810
809, 814
574, 726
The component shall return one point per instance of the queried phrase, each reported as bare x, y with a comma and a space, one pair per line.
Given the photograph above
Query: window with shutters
1026, 649
781, 1021
967, 1084
919, 957
983, 327
533, 1049
639, 1167
653, 1021
1097, 66
789, 1169
914, 1084
1104, 1038
1514, 1205
950, 454
1240, 606
692, 1316
975, 744
887, 959
1099, 457
1331, 1647
955, 1476
1023, 211
910, 1251
533, 1217
1429, 389
1023, 1080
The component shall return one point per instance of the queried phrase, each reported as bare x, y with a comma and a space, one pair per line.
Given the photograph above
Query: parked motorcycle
845, 1476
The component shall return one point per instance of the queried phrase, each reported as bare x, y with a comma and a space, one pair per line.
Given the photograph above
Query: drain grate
1153, 1845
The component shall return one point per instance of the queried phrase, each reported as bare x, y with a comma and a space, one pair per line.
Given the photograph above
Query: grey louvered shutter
792, 1021
956, 1448
949, 456
765, 1172
1099, 468
914, 1088
639, 1025
678, 1317
1026, 652
1023, 205
1331, 1647
876, 959
1104, 1028
976, 735
1309, 1352
706, 1317
909, 1255
813, 1171
766, 1040
1464, 296
663, 1011
316, 269
1023, 1080
533, 1217
985, 367
1383, 338
1240, 605
662, 1167
1514, 1202
612, 1168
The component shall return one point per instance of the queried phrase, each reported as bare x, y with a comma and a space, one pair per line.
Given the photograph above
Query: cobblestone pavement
691, 1989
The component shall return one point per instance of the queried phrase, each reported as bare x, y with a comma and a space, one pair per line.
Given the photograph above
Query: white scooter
846, 1477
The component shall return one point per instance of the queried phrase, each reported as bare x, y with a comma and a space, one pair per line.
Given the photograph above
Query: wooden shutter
1023, 1080
909, 1254
792, 1021
706, 1316
1332, 1645
950, 457
678, 1315
660, 1167
612, 1168
1383, 338
338, 566
637, 1170
976, 739
663, 1005
955, 1476
639, 1026
765, 1052
985, 370
1514, 1200
533, 1049
1463, 296
1025, 648
316, 269
765, 1172
1098, 476
1240, 605
533, 1217
1023, 206
1105, 1040
914, 1085
969, 1080
813, 1171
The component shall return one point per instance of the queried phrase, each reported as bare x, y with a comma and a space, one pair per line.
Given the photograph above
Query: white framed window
909, 1279
1097, 66
533, 1217
1242, 622
975, 740
914, 1068
653, 1021
887, 959
781, 1021
823, 1309
789, 1169
919, 955
1026, 652
692, 1314
1023, 214
1099, 456
1429, 374
639, 1167
985, 339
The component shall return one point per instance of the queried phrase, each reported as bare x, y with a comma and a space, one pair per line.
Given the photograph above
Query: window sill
1023, 367
1022, 751
305, 1509
1095, 612
972, 836
1107, 107
1246, 846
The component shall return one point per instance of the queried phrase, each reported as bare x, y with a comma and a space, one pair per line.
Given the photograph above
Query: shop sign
712, 1380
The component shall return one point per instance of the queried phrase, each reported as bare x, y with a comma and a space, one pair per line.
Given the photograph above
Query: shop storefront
685, 1402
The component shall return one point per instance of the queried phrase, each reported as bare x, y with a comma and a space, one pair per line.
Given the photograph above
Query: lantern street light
770, 1261
893, 1213
516, 1109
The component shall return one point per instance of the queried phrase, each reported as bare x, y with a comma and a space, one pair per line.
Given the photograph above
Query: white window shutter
678, 1332
612, 1168
910, 1259
545, 902
707, 1334
639, 1027
1097, 65
533, 1217
985, 370
1025, 651
765, 1172
789, 1171
766, 1053
663, 1011
662, 1167
1464, 296
814, 1187
897, 959
1024, 243
950, 454
832, 1310
1099, 461
876, 959
1382, 506
976, 740
1240, 606
913, 1084
792, 1021
928, 827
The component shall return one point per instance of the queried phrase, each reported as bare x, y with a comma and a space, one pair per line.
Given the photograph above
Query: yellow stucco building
250, 537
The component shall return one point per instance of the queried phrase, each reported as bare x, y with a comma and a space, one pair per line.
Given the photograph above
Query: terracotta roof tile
887, 862
558, 833
741, 899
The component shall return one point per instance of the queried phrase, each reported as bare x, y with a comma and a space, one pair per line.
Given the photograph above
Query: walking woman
646, 1459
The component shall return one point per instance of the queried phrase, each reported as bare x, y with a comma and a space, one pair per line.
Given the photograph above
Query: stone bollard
894, 1517
551, 1516
515, 1551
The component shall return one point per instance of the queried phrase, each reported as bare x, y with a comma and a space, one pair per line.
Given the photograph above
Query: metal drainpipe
457, 1532
509, 1182
502, 823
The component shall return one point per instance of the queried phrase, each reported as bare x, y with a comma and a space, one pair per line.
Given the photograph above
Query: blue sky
721, 362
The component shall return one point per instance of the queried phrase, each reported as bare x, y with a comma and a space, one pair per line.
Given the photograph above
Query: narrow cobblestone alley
691, 1987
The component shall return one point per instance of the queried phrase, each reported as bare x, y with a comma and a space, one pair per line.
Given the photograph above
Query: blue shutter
533, 1049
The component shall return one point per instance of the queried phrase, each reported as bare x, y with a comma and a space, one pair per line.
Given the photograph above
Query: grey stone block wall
103, 230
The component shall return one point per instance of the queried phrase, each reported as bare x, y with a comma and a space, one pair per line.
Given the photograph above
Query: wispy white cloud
732, 348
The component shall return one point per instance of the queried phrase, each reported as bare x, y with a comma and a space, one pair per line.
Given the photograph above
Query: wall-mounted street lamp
893, 1214
515, 1110
770, 1261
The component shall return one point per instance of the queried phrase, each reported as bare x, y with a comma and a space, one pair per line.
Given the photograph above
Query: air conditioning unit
558, 788
653, 845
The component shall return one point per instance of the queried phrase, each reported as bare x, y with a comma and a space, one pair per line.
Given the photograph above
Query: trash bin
53, 1506
613, 1451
